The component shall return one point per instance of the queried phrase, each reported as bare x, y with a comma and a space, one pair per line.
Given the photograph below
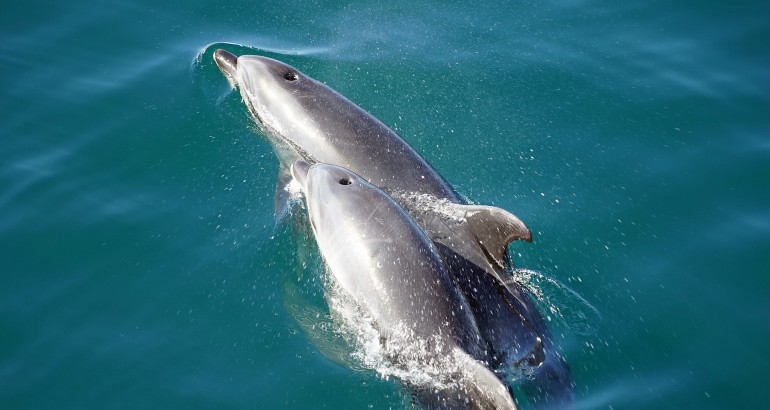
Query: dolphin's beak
228, 64
299, 170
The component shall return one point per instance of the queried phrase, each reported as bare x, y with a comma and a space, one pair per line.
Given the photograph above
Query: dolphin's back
383, 259
322, 126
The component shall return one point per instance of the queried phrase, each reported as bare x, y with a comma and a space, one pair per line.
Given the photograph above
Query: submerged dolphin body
304, 119
382, 259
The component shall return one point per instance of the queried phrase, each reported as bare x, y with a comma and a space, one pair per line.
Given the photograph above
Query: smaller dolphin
380, 257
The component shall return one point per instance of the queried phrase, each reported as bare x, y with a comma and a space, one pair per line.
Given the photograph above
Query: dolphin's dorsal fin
495, 228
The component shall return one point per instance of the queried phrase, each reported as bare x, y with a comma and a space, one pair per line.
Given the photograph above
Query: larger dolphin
305, 119
382, 259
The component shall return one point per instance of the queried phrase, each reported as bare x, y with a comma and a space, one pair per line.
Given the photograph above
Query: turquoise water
141, 264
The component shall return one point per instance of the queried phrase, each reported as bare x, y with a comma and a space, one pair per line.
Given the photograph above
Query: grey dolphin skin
304, 119
380, 256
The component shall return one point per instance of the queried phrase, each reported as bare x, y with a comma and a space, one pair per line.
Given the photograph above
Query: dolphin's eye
290, 75
344, 181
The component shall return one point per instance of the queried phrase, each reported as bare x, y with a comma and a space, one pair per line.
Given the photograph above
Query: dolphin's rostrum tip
299, 170
227, 62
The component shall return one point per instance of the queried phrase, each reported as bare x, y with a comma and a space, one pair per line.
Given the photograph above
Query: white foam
294, 188
395, 352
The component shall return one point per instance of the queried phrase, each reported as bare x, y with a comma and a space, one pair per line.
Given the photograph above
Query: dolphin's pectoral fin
282, 195
495, 228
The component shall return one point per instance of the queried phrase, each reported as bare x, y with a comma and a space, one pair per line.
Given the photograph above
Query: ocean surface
141, 265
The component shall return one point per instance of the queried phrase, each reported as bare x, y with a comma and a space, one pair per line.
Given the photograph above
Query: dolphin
304, 119
381, 258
